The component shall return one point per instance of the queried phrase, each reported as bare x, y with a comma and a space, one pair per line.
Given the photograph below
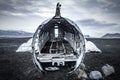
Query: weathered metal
67, 46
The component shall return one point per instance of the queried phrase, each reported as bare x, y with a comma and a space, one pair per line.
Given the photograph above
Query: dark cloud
9, 6
115, 8
5, 5
22, 6
92, 22
105, 6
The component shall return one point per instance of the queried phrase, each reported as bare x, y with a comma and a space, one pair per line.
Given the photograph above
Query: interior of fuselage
56, 47
58, 36
56, 40
58, 43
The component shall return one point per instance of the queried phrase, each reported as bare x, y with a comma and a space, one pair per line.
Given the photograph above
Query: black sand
19, 66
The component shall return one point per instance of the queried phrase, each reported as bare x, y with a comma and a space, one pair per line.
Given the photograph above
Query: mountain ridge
111, 35
15, 33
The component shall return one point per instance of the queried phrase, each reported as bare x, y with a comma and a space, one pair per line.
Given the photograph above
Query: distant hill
87, 36
13, 33
108, 35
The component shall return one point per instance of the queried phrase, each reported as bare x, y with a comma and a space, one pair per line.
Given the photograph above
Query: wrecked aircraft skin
58, 42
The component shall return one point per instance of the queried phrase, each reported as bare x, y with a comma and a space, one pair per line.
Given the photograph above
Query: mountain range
13, 33
112, 35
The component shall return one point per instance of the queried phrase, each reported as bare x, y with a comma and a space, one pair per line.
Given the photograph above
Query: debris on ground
81, 73
95, 75
108, 70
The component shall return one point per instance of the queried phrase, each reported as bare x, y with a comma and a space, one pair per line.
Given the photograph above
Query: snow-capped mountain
13, 33
108, 35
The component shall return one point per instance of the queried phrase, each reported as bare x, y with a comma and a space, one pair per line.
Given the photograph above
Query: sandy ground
19, 66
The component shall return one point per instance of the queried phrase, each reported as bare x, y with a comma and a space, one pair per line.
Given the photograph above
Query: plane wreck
58, 42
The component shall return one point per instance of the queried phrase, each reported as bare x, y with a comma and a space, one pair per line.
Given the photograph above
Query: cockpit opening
56, 31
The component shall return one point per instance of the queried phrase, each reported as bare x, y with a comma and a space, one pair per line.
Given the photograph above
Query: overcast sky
94, 17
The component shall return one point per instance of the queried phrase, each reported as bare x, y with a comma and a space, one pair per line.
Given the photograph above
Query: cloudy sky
94, 17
